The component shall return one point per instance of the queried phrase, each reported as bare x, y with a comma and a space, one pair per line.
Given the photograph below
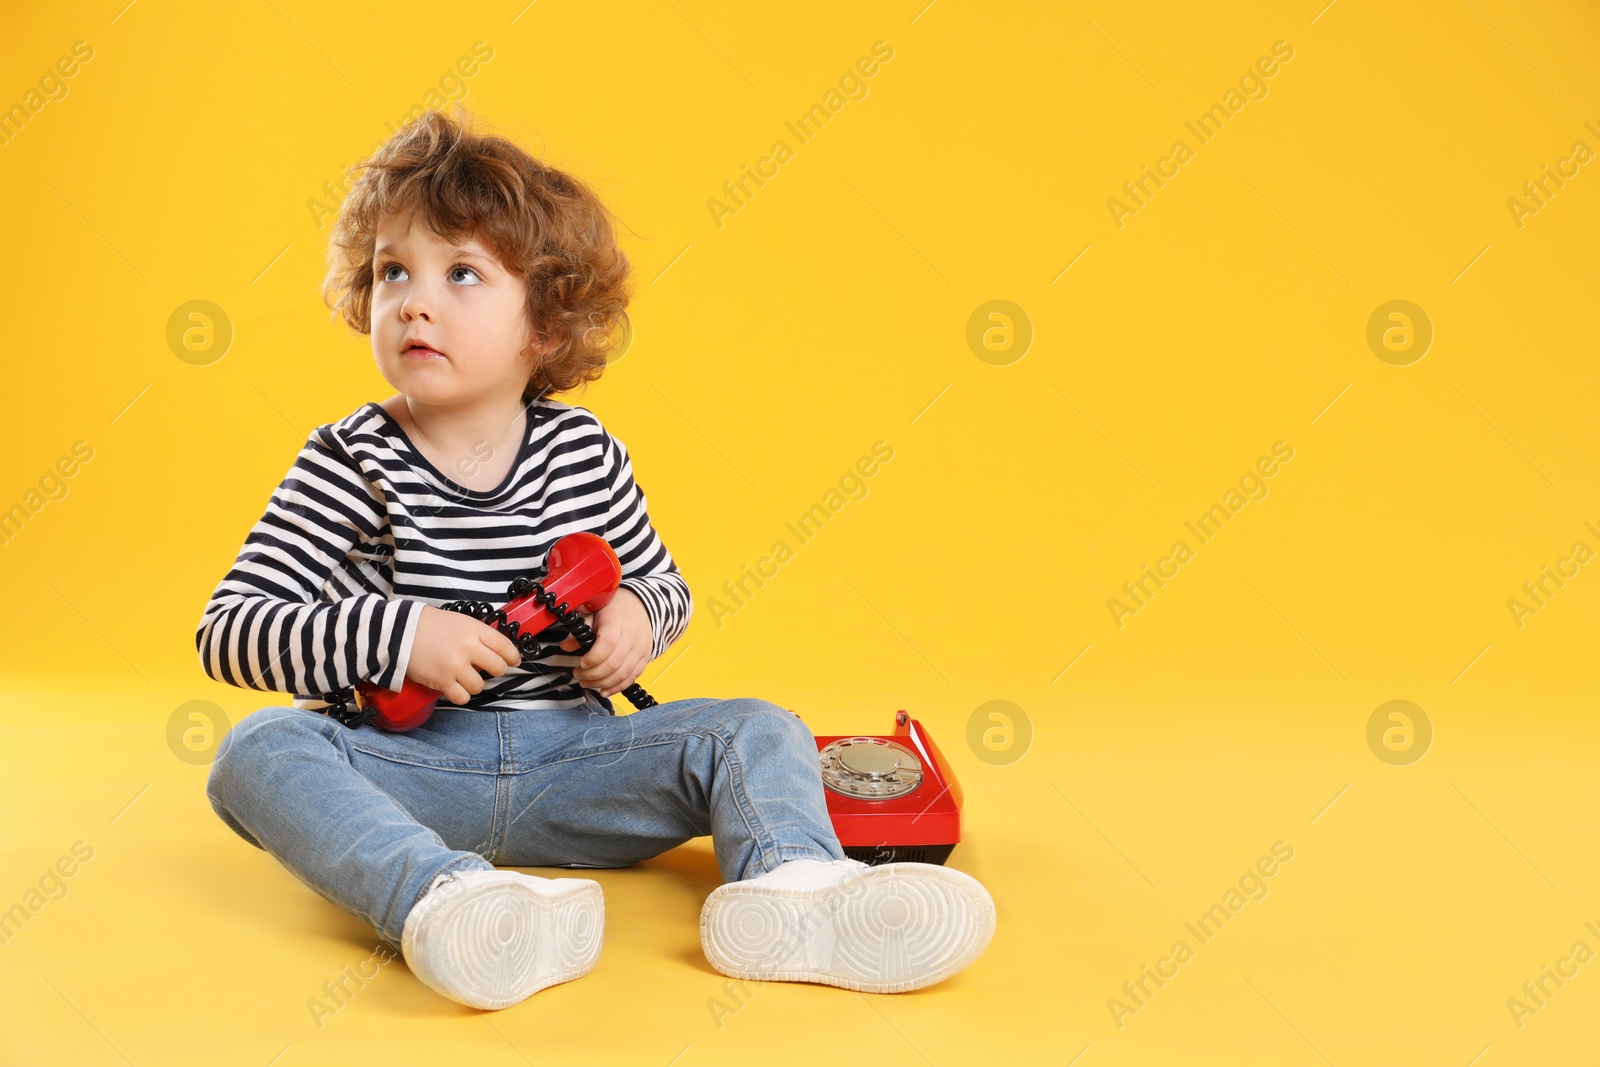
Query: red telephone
891, 797
580, 567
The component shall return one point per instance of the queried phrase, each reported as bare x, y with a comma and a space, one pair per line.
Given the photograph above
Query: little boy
487, 280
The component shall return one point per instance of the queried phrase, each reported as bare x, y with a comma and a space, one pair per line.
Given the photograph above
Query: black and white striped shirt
329, 586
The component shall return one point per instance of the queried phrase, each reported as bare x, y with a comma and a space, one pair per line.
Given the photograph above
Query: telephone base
898, 853
891, 797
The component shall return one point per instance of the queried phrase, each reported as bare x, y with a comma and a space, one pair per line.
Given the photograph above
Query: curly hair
545, 226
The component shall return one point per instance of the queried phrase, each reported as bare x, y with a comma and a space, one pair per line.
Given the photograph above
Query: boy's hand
622, 644
449, 648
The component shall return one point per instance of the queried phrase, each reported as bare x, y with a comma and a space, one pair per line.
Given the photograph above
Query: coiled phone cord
341, 702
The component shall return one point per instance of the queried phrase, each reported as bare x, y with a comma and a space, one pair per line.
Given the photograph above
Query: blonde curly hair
544, 225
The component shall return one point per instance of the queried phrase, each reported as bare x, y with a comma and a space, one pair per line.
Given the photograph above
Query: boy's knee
248, 751
257, 735
755, 714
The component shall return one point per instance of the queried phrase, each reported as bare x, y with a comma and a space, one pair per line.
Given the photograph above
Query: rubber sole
885, 929
490, 939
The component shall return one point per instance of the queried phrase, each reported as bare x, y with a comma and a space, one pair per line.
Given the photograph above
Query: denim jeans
369, 818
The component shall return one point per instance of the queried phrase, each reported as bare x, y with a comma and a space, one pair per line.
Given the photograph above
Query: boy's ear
542, 348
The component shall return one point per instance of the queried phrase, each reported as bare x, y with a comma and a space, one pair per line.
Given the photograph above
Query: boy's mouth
420, 351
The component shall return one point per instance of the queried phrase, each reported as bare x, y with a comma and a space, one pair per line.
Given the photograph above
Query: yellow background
770, 353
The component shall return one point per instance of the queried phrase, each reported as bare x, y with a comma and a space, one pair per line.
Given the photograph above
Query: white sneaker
489, 939
884, 929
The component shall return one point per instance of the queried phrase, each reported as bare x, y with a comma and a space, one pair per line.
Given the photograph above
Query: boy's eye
383, 271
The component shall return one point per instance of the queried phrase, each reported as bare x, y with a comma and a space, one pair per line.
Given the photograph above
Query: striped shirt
329, 586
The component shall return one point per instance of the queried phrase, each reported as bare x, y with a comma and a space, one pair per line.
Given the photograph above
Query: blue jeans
369, 818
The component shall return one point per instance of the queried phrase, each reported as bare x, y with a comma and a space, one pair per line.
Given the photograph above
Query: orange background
772, 348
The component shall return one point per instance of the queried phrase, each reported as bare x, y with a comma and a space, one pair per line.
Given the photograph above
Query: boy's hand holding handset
447, 654
622, 651
449, 650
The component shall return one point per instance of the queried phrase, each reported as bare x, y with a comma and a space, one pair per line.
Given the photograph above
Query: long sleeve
647, 567
275, 622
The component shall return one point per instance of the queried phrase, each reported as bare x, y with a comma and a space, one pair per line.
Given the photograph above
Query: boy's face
460, 301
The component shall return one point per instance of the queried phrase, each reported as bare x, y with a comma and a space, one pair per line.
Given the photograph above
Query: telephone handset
580, 569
